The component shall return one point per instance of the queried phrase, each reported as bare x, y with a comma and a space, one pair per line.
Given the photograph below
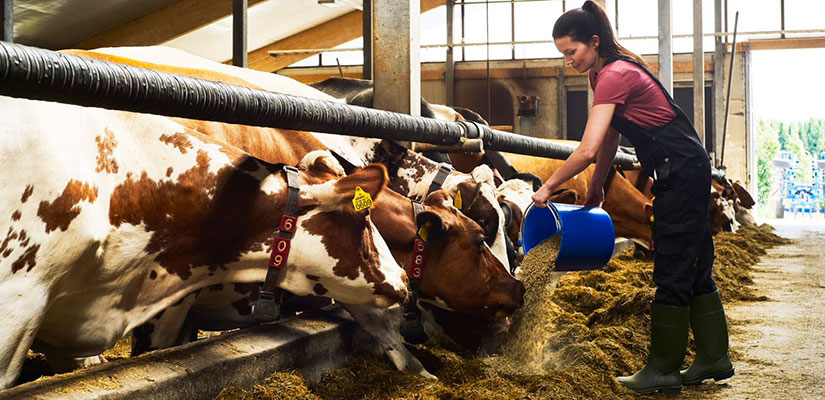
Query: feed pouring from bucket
585, 235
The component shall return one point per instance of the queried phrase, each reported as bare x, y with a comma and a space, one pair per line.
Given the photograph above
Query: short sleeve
611, 88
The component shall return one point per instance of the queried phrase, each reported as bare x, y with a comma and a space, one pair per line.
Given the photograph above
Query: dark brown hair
591, 19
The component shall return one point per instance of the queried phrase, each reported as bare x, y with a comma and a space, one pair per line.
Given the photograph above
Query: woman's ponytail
591, 19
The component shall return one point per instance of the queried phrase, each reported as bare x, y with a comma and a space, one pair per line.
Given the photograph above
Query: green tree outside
805, 139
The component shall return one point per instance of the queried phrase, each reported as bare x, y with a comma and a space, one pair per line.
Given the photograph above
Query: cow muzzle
511, 301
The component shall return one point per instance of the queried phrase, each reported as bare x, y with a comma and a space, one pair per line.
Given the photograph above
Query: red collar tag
280, 252
282, 242
419, 259
288, 223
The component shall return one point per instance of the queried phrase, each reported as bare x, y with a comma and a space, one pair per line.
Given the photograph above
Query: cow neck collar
266, 308
411, 327
444, 170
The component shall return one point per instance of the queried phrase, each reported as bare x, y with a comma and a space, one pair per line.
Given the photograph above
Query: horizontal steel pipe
37, 74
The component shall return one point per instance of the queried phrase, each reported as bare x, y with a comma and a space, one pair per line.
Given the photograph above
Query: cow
410, 174
729, 205
461, 275
744, 213
111, 217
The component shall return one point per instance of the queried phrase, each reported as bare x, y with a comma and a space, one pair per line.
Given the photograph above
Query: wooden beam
164, 24
310, 75
327, 35
781, 44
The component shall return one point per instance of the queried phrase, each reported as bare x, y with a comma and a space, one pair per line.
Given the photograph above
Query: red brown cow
461, 275
132, 213
410, 173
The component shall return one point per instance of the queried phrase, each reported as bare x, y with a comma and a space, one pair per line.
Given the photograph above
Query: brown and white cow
410, 173
111, 217
462, 274
730, 204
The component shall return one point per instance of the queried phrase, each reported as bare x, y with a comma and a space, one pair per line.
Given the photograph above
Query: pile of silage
280, 385
565, 343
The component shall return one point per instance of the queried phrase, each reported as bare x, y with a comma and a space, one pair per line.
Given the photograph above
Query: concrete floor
779, 345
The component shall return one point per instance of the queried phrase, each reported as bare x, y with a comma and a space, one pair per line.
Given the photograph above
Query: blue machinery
799, 198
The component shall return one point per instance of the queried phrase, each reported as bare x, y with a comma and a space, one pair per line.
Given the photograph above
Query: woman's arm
592, 143
595, 191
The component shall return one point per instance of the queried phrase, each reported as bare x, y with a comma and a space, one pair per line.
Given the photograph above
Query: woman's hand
540, 197
594, 198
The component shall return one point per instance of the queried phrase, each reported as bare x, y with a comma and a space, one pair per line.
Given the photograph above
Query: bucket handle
556, 216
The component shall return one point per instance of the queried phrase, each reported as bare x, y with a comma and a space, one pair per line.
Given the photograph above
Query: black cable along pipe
37, 74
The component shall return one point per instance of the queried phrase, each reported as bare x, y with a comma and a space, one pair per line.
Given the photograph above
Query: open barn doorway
788, 131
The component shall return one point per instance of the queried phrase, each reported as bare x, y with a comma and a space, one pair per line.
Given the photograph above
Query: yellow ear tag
424, 231
457, 200
362, 200
651, 219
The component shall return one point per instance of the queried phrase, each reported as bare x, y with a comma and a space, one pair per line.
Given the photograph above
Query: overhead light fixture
356, 4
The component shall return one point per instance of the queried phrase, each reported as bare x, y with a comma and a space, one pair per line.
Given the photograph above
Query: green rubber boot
710, 332
668, 342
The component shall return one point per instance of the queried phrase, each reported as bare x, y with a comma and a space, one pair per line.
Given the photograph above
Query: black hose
37, 74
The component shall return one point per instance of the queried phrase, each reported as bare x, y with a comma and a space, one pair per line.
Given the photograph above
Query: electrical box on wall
528, 106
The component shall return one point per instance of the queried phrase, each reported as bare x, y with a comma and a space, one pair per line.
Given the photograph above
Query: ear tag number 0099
362, 200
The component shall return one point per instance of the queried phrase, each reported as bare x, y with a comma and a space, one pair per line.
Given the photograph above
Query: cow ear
466, 194
366, 183
649, 211
566, 196
431, 222
483, 174
321, 162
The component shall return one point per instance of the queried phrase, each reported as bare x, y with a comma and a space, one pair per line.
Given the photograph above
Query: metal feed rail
37, 74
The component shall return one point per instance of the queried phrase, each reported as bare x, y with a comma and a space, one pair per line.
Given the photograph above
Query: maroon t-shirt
637, 97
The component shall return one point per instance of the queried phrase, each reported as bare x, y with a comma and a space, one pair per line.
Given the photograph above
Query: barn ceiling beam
164, 24
327, 35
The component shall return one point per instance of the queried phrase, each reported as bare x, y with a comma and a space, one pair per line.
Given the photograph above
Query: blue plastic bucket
587, 234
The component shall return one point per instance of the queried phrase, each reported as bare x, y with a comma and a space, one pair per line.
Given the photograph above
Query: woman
630, 101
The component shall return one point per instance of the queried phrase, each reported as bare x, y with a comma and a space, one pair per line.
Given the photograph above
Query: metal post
449, 76
730, 83
366, 70
562, 104
718, 80
698, 72
239, 53
513, 29
487, 31
666, 45
782, 13
397, 70
463, 24
8, 20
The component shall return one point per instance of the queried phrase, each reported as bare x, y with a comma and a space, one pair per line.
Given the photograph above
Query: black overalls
673, 155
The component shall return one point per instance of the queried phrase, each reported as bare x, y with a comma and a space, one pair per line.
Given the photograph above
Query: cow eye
483, 223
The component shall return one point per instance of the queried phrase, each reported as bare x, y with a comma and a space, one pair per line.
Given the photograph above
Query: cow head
337, 251
462, 273
745, 198
478, 201
630, 211
721, 212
